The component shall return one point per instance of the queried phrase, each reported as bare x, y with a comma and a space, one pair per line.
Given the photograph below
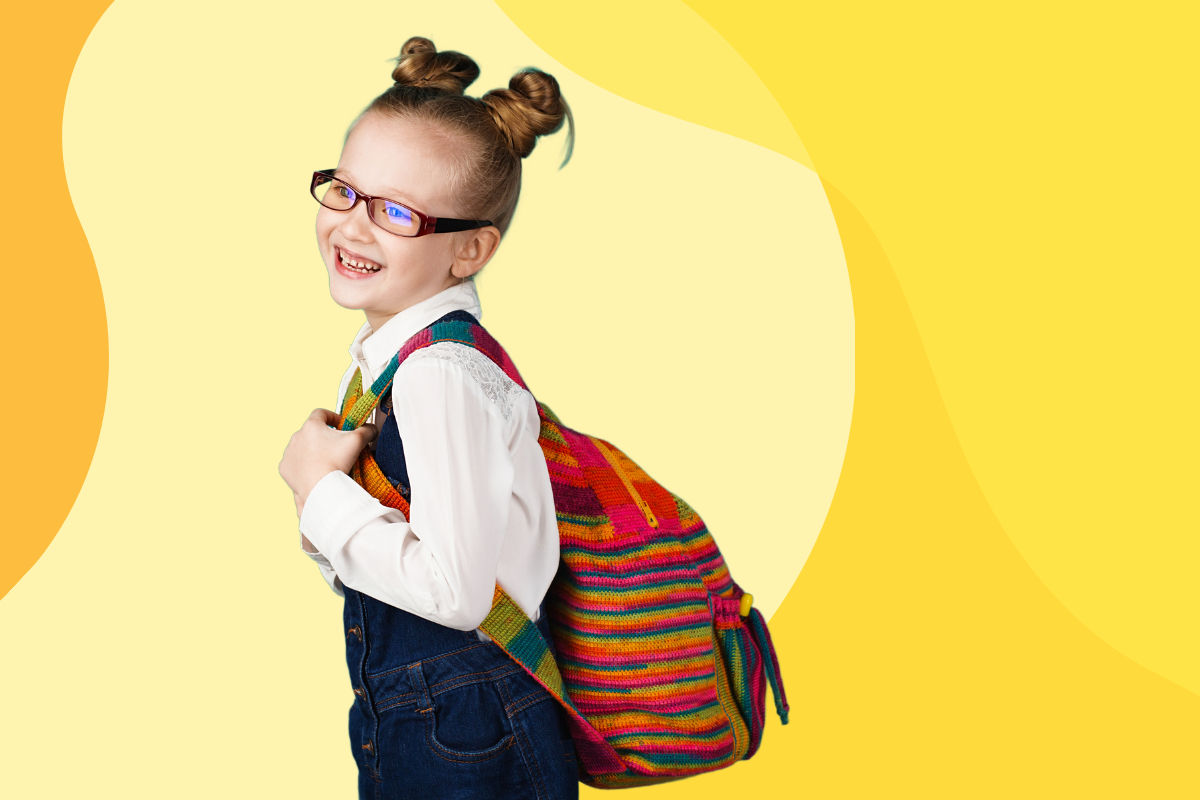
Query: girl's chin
346, 296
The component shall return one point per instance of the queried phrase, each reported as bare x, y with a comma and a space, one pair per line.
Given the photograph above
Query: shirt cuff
327, 570
309, 548
336, 508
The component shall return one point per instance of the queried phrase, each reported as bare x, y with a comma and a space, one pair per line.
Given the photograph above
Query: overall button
358, 690
370, 748
355, 631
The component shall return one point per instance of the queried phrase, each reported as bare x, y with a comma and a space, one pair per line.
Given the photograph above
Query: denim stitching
424, 701
398, 700
443, 752
373, 716
494, 673
528, 753
459, 757
427, 660
527, 701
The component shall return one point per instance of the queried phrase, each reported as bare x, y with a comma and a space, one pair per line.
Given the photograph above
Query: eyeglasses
394, 217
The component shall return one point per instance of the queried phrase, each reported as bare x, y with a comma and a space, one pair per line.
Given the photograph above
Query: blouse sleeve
327, 571
441, 564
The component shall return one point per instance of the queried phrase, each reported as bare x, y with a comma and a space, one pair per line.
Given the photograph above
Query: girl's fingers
323, 416
317, 448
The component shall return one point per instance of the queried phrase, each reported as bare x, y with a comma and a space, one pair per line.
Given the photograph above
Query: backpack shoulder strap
457, 326
507, 624
517, 635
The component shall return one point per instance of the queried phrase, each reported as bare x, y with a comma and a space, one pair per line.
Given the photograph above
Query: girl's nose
356, 224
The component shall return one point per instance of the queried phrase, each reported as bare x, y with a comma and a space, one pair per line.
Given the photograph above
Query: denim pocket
468, 723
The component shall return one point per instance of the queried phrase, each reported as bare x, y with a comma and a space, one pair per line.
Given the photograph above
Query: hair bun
530, 107
421, 66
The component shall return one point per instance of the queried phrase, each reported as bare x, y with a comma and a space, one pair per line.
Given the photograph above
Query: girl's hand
317, 449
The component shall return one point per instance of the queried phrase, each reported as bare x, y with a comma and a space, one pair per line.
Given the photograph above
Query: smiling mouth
360, 265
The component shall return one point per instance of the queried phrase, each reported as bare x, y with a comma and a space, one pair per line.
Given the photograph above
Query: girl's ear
474, 251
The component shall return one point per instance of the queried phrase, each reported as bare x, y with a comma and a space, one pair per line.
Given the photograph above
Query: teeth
359, 266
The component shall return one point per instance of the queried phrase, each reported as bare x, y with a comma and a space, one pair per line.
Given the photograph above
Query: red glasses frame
429, 224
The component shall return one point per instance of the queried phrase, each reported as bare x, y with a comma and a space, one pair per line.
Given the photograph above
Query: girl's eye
398, 214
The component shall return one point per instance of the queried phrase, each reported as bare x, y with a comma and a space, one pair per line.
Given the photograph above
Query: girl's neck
377, 320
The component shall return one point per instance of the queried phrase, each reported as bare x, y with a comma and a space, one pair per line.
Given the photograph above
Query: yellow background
1000, 601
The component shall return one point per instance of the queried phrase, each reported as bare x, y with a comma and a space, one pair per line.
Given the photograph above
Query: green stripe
701, 629
583, 520
687, 736
687, 712
624, 667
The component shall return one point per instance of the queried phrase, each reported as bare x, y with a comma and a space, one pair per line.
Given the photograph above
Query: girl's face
402, 160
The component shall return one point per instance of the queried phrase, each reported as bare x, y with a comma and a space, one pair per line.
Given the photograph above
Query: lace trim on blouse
497, 387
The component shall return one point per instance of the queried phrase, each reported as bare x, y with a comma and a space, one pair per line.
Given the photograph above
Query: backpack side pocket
742, 660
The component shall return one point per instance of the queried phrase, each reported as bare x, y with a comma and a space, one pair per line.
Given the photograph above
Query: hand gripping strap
366, 471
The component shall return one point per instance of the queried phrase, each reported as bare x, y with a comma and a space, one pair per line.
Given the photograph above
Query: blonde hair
498, 129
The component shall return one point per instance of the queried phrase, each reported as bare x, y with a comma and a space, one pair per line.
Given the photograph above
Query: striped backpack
659, 658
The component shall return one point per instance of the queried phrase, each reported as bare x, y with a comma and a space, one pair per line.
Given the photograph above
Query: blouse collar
372, 350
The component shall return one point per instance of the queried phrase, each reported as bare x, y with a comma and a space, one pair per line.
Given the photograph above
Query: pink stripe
625, 517
659, 679
714, 564
585, 451
595, 540
716, 749
673, 704
660, 554
674, 575
687, 725
637, 602
612, 659
661, 623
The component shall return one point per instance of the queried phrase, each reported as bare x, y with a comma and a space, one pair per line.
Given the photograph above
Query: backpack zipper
611, 457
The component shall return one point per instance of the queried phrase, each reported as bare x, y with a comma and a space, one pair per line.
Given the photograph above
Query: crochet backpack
659, 658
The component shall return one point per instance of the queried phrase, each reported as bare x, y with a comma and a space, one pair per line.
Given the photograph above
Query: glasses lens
332, 193
394, 217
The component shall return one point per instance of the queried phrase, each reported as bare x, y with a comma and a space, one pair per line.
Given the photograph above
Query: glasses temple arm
452, 225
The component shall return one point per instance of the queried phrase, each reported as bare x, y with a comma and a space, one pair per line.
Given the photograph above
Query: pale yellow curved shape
643, 291
665, 56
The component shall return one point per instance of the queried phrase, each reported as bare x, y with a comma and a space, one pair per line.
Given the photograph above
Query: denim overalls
439, 714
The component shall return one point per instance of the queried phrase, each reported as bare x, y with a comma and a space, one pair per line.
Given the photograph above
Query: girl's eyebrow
392, 194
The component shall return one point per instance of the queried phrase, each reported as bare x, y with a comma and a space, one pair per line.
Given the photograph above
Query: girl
425, 189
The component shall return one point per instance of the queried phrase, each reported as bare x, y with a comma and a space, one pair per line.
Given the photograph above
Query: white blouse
482, 506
